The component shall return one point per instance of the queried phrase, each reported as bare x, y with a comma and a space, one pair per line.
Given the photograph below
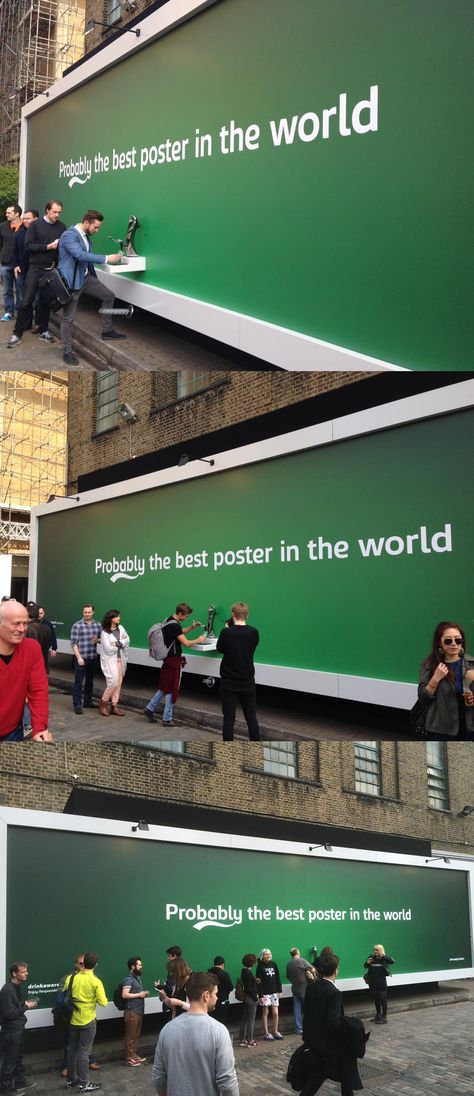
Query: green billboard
126, 895
301, 172
348, 554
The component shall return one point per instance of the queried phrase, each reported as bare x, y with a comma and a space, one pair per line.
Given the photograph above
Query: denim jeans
8, 279
298, 1012
82, 674
12, 1068
168, 708
80, 1046
14, 736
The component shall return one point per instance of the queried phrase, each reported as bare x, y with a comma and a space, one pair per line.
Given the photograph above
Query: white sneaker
14, 340
46, 336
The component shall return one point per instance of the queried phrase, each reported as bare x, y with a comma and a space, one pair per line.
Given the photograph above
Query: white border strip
289, 350
11, 816
425, 405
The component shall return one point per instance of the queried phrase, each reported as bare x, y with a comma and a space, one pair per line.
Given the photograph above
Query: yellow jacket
88, 992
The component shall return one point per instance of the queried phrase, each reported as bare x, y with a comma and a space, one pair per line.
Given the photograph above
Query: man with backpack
166, 641
13, 1020
78, 965
133, 1004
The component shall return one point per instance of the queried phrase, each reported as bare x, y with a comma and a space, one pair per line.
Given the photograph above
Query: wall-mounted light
127, 413
91, 23
445, 859
326, 846
142, 826
467, 810
65, 498
185, 459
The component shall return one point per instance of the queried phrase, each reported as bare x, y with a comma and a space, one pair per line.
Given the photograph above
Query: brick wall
165, 421
232, 779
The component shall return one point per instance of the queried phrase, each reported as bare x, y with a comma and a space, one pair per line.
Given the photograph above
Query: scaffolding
33, 427
39, 39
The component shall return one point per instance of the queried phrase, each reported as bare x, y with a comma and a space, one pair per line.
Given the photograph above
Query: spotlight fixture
65, 498
467, 810
185, 459
445, 859
91, 23
127, 413
142, 826
326, 846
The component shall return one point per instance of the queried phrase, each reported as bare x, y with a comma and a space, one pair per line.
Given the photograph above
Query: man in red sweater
22, 677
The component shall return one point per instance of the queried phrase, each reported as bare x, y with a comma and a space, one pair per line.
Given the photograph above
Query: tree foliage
8, 185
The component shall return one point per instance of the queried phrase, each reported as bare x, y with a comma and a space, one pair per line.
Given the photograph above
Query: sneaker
6, 317
137, 1058
131, 1062
244, 1043
149, 715
278, 1035
253, 1043
78, 711
268, 1038
89, 1087
113, 335
46, 336
167, 723
14, 340
70, 358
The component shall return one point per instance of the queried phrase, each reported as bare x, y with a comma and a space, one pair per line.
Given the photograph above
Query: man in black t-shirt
237, 643
175, 637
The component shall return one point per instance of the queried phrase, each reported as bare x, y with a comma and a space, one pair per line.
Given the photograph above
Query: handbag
418, 717
54, 289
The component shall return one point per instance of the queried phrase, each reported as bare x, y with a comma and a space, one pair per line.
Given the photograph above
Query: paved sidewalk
424, 1050
152, 343
199, 710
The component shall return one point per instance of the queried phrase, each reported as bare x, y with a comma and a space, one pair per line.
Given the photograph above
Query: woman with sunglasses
446, 684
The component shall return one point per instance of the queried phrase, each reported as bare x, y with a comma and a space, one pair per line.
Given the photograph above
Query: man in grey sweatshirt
194, 1054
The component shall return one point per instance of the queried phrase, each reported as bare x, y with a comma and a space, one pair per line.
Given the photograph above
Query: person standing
296, 973
85, 635
114, 642
133, 997
175, 637
54, 639
378, 967
21, 258
446, 682
194, 1054
88, 992
225, 986
42, 240
78, 965
76, 265
22, 677
250, 1001
39, 630
237, 643
269, 992
12, 1012
8, 231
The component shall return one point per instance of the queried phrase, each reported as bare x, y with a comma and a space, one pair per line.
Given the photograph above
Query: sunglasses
455, 639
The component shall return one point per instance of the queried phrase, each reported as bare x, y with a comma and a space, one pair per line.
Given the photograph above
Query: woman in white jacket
113, 661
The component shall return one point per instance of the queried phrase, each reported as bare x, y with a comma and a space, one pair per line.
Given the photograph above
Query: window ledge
181, 756
280, 776
372, 798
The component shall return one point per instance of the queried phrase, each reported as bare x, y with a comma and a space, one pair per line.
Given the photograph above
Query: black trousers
29, 293
12, 1067
248, 700
380, 999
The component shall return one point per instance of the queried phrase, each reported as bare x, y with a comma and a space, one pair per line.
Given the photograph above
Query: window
437, 779
191, 380
114, 11
107, 394
367, 768
280, 758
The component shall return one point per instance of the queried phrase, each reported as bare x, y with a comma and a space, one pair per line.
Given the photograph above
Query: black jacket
225, 984
12, 1008
7, 243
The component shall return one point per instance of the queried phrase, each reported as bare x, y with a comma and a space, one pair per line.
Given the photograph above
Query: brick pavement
426, 1051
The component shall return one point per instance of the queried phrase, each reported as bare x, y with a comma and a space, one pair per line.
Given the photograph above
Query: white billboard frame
20, 817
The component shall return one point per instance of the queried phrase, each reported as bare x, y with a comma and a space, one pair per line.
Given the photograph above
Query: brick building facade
250, 785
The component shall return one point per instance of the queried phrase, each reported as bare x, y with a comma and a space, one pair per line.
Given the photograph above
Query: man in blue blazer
76, 265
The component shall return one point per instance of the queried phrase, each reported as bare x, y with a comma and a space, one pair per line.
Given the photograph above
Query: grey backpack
157, 647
